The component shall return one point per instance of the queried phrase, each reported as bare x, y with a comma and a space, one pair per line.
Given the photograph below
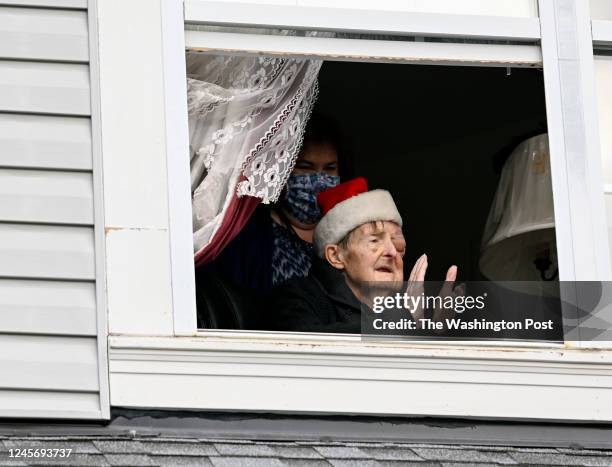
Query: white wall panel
48, 362
36, 34
40, 141
138, 282
132, 91
60, 88
47, 307
38, 251
45, 196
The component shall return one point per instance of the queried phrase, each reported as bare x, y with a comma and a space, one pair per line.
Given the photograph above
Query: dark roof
185, 439
155, 450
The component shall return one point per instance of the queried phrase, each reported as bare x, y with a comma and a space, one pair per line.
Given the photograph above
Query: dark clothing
262, 255
320, 302
246, 261
291, 256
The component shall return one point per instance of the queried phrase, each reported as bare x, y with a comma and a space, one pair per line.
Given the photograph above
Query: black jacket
247, 260
320, 302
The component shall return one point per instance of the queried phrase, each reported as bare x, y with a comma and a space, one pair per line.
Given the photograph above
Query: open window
462, 147
158, 356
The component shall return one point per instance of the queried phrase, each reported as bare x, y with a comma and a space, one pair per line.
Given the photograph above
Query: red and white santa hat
347, 206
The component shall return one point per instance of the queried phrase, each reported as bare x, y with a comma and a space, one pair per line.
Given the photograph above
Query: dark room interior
436, 137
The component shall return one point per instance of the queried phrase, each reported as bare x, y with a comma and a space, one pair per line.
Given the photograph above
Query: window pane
449, 147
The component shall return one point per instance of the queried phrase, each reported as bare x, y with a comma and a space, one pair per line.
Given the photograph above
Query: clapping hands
416, 282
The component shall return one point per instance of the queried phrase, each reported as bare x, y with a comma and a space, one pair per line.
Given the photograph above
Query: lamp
519, 238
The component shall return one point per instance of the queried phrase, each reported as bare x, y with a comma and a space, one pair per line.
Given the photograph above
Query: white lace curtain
247, 117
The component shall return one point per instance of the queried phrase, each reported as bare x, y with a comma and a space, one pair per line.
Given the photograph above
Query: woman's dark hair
321, 128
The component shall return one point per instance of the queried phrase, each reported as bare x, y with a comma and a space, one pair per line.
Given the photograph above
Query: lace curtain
247, 117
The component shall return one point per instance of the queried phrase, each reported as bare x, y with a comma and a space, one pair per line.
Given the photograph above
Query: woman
276, 243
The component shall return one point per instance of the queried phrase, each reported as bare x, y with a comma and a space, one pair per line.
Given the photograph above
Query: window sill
225, 371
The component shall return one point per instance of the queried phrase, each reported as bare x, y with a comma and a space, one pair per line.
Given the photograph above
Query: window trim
569, 73
177, 160
351, 20
368, 50
325, 376
98, 201
602, 32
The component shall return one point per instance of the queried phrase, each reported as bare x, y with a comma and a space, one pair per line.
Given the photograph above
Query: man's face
375, 253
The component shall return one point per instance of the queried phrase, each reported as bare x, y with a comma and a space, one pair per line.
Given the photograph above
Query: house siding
52, 347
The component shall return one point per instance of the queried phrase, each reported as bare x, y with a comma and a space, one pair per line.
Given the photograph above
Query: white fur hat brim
375, 205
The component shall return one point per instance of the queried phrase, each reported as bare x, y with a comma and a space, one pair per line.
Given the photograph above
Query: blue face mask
301, 195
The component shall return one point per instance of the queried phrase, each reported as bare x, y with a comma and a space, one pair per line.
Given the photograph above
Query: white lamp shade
520, 226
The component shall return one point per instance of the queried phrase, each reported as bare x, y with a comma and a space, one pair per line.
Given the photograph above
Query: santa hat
347, 206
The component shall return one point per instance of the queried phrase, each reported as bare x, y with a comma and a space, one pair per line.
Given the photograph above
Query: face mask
301, 195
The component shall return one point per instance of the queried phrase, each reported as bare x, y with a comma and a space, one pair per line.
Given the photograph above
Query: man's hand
416, 288
416, 285
448, 290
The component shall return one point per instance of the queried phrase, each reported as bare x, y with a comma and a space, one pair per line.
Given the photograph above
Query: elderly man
358, 241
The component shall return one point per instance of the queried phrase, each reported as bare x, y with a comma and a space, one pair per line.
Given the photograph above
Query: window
210, 370
603, 74
436, 137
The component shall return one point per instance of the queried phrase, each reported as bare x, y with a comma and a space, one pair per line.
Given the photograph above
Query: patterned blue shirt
291, 256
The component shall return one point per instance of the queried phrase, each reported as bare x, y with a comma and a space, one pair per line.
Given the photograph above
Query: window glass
462, 151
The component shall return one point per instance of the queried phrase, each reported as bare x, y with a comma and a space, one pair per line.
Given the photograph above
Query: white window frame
602, 32
602, 37
296, 372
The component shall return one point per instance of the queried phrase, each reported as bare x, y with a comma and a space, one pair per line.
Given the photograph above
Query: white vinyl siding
72, 362
52, 348
46, 252
48, 404
48, 307
79, 4
42, 34
45, 142
49, 88
43, 196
